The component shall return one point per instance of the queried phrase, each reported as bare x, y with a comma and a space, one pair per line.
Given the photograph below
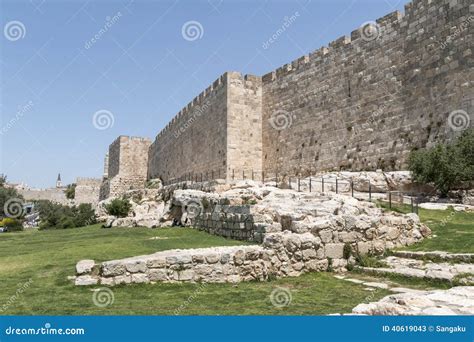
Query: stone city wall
87, 190
195, 140
127, 166
365, 101
362, 103
56, 195
219, 130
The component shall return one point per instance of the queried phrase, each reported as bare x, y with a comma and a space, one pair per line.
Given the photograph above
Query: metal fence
305, 182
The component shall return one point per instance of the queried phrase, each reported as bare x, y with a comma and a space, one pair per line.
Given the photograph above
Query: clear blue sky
142, 69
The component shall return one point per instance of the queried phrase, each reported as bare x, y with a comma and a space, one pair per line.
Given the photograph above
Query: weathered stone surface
84, 266
455, 301
421, 269
334, 250
86, 280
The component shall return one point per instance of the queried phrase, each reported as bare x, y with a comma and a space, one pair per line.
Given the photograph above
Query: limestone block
85, 280
334, 250
84, 266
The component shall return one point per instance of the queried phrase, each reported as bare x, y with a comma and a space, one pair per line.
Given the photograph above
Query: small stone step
436, 256
428, 270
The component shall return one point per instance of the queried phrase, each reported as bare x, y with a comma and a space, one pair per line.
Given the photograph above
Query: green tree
70, 191
445, 165
3, 180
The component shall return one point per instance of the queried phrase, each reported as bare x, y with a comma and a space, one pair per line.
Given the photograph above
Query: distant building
59, 184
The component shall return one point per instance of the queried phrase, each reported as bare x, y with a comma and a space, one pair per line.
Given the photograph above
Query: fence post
276, 180
233, 174
322, 184
263, 176
309, 183
289, 181
411, 202
390, 199
352, 187
370, 192
252, 175
298, 184
243, 174
336, 185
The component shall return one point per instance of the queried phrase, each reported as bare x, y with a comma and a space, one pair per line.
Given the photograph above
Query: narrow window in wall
349, 87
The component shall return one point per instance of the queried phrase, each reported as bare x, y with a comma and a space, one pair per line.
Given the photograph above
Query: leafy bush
118, 207
347, 251
70, 191
55, 215
369, 261
445, 165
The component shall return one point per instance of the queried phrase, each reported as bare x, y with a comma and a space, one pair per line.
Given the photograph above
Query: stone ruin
298, 232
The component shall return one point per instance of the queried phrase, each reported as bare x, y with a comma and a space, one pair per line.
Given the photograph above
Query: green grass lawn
48, 257
452, 231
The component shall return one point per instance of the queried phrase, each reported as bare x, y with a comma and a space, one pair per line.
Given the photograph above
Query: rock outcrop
455, 301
